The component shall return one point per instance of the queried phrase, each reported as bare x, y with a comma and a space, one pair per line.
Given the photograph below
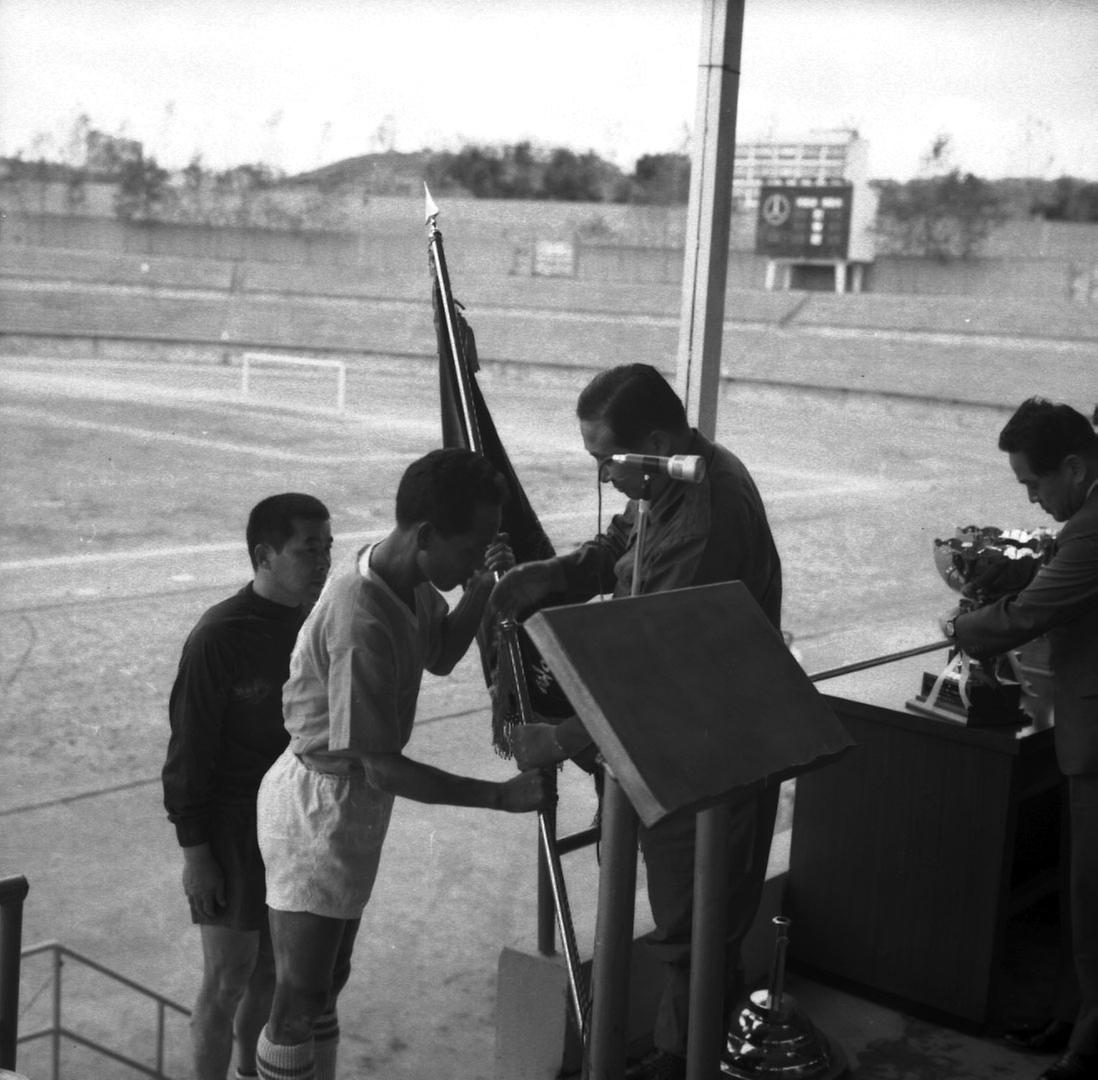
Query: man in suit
698, 534
1053, 451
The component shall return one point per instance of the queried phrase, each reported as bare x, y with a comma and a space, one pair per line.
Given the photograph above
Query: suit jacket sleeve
590, 569
1062, 591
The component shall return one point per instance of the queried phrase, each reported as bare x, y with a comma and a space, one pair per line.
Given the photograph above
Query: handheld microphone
686, 467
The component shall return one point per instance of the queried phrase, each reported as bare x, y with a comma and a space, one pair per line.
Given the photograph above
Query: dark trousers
668, 850
1083, 817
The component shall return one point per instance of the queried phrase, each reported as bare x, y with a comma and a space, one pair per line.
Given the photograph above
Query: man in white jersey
349, 706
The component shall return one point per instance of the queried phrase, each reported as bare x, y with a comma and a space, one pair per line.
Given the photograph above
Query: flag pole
442, 276
508, 629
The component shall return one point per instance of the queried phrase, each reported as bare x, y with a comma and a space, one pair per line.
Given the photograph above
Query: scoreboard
798, 222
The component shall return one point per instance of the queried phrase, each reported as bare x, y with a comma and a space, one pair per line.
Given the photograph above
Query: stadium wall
628, 244
1023, 278
221, 242
1002, 277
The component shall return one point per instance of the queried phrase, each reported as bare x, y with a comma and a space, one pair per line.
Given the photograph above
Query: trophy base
992, 706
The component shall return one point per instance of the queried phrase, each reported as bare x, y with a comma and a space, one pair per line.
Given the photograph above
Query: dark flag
522, 686
467, 422
528, 539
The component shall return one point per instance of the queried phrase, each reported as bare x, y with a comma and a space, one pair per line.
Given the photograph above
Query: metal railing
56, 1031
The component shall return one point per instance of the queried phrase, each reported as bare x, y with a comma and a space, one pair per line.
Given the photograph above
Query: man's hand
535, 746
1000, 577
539, 746
527, 791
945, 622
203, 880
522, 588
499, 558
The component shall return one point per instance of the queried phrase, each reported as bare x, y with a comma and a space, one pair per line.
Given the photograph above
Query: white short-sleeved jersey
356, 669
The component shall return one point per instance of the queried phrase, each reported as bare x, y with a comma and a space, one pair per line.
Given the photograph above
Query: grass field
107, 465
109, 470
126, 485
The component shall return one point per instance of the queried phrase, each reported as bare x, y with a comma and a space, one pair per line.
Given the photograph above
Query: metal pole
777, 970
555, 873
641, 533
705, 1033
617, 891
57, 964
877, 661
508, 635
547, 935
613, 935
12, 893
160, 1038
442, 276
705, 277
705, 265
549, 859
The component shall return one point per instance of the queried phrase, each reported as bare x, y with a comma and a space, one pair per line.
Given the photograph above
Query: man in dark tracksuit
227, 729
1054, 452
697, 534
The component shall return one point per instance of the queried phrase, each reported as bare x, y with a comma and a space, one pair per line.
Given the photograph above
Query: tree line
520, 171
944, 213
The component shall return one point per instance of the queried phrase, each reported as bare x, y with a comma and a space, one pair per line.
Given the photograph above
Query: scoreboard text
798, 222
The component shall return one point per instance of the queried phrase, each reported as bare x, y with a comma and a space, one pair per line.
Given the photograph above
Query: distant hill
394, 173
388, 173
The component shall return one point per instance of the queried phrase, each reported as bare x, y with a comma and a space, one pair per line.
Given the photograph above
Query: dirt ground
126, 485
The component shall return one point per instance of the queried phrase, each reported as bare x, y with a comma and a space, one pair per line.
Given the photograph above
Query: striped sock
276, 1062
326, 1034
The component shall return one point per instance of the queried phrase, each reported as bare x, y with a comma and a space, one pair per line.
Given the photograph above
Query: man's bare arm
411, 779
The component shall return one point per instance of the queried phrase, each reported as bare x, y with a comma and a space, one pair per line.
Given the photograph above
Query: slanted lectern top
689, 694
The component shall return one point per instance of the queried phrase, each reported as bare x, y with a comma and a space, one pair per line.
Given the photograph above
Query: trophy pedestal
992, 704
771, 1041
771, 1038
947, 705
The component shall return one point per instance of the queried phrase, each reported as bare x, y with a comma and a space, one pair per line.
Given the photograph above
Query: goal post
250, 360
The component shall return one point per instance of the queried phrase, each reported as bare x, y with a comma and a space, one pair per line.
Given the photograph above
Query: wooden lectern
691, 696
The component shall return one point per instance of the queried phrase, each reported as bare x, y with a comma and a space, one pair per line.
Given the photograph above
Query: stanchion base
781, 1044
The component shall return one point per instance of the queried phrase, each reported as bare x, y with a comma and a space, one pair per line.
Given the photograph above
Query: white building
843, 208
820, 157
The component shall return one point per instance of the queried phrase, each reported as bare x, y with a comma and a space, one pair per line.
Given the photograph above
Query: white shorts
320, 835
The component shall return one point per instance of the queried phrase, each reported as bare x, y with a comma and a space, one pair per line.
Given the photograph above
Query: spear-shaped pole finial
431, 208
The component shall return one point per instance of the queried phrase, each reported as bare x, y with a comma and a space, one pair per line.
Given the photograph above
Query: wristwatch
950, 628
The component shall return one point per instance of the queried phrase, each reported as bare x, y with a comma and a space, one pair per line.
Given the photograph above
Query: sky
296, 84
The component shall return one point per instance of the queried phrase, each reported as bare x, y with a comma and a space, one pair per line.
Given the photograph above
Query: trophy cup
984, 564
773, 1039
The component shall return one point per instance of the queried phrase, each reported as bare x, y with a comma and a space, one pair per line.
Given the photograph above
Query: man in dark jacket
1054, 452
697, 534
226, 731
